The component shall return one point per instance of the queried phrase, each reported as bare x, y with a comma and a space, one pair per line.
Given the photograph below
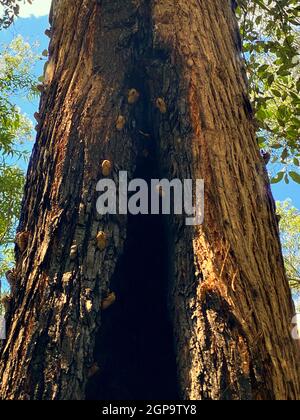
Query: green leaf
276, 92
285, 154
296, 162
278, 178
295, 176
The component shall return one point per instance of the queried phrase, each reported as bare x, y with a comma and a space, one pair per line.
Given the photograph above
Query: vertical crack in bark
135, 345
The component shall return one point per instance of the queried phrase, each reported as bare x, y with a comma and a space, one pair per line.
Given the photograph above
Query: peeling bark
188, 117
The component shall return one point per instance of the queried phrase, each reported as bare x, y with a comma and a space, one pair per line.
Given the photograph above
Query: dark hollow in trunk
138, 361
135, 348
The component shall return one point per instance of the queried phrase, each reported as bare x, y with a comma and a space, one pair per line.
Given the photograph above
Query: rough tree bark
228, 296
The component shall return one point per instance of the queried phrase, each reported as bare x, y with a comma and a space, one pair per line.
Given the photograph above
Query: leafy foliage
5, 265
9, 10
16, 63
11, 187
271, 40
2, 309
290, 236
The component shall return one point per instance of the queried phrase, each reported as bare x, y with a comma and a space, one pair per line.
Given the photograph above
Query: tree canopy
271, 47
16, 79
9, 10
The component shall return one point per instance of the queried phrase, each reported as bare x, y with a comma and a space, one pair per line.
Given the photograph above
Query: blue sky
32, 25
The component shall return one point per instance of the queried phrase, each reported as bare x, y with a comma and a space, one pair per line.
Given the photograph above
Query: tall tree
156, 88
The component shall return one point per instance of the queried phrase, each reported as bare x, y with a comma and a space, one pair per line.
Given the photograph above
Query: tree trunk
201, 312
